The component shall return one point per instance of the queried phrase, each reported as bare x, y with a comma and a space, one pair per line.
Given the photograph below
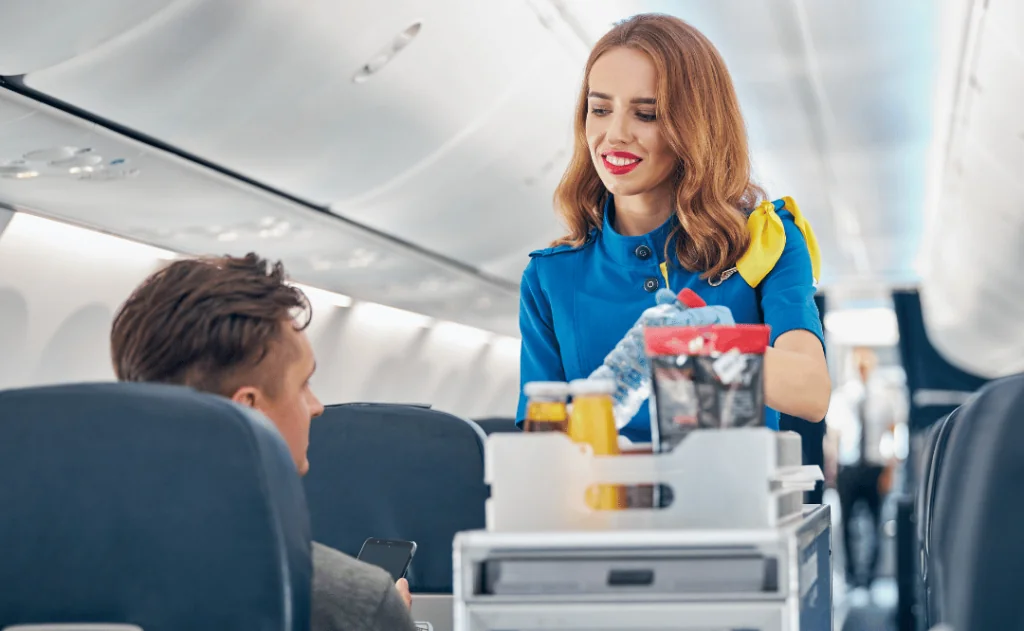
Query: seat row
168, 509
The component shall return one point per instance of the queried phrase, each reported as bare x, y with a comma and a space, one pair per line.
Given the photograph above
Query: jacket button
643, 252
651, 284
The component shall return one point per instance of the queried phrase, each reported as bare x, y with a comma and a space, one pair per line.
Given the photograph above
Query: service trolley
654, 569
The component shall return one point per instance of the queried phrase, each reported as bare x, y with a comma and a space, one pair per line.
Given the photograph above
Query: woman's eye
597, 111
646, 117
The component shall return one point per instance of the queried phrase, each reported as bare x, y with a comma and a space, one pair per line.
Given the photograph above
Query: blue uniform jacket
576, 303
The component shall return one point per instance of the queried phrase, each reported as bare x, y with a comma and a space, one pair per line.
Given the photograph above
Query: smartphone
393, 555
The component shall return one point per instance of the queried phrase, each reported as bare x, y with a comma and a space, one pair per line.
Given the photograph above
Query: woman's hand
796, 374
669, 312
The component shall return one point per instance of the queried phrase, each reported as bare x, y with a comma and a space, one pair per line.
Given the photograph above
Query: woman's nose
619, 129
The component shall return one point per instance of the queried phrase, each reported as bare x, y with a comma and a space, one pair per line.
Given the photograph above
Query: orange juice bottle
546, 406
593, 423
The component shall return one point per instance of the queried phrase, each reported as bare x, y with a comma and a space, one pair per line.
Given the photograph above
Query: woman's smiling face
629, 151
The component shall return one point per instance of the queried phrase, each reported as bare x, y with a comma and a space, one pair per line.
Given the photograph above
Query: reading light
385, 55
17, 172
54, 154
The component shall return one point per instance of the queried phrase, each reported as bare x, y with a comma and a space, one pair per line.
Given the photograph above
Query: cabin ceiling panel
95, 178
37, 34
463, 134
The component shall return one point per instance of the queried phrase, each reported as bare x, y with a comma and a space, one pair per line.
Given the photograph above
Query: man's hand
403, 590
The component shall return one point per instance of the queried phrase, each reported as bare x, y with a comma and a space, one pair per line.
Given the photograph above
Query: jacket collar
624, 249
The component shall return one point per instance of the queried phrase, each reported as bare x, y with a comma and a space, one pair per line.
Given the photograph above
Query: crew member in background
658, 193
861, 424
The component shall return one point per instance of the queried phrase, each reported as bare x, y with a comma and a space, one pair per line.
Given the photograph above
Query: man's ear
247, 396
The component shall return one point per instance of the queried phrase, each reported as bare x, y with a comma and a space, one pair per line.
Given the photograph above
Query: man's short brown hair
208, 323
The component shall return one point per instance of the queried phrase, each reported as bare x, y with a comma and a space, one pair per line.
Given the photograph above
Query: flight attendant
658, 194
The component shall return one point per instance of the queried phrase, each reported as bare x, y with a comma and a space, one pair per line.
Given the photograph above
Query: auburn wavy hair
699, 115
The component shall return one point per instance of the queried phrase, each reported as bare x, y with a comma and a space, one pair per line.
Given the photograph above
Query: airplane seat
933, 454
396, 472
497, 425
921, 493
968, 440
946, 499
984, 554
148, 505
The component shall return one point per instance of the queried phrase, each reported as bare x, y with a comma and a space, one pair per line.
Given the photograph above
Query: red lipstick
620, 156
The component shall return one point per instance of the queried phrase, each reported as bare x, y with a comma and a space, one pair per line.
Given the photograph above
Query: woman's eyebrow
639, 101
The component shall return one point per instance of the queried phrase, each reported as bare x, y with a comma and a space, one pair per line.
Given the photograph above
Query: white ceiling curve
456, 145
972, 286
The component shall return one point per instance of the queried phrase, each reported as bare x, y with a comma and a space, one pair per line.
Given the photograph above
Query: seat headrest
400, 472
986, 551
150, 505
498, 425
934, 458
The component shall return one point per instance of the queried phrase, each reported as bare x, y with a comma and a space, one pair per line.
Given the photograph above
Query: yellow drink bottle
593, 423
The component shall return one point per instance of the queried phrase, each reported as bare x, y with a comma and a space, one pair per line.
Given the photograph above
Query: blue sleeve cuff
787, 293
795, 318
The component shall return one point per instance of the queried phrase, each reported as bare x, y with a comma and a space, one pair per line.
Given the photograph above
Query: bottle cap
583, 387
689, 298
546, 389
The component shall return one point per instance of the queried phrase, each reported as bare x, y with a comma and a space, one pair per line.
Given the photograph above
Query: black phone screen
392, 555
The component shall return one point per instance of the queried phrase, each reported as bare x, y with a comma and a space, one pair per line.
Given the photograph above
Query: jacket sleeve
349, 595
540, 358
392, 614
787, 292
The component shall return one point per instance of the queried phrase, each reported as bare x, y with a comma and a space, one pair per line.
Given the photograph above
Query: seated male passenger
231, 326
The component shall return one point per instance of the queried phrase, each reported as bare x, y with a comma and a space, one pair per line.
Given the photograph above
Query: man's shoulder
350, 594
341, 569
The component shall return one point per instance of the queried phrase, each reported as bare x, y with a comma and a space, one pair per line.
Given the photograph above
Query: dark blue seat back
149, 505
497, 425
984, 547
934, 455
950, 467
932, 467
922, 493
397, 472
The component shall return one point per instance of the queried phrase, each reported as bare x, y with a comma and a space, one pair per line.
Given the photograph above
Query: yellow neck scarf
768, 239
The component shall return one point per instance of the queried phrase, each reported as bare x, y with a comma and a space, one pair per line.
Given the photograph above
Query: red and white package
708, 377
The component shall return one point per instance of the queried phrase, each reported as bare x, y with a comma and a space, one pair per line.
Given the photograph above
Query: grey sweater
349, 595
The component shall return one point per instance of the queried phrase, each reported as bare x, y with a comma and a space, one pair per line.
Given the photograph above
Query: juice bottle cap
583, 387
546, 389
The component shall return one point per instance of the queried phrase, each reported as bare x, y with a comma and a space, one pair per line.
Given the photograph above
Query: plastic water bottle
627, 364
